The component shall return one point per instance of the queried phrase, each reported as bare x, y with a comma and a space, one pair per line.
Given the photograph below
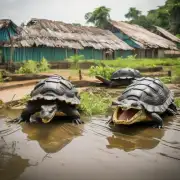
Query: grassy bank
137, 63
94, 101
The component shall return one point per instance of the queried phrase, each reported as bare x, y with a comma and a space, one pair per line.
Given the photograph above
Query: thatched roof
4, 23
144, 38
167, 34
49, 33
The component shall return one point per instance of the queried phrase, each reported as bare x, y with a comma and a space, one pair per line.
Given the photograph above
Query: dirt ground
26, 86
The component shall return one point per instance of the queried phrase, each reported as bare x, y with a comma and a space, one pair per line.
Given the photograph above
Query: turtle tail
103, 80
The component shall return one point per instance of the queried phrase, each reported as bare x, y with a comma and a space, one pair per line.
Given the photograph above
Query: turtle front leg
171, 112
159, 122
73, 112
110, 121
26, 113
173, 107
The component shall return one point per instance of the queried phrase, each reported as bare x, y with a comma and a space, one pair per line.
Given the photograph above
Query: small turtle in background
146, 99
53, 96
121, 77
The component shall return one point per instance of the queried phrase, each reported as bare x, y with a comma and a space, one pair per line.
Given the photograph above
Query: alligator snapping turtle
146, 99
123, 76
53, 96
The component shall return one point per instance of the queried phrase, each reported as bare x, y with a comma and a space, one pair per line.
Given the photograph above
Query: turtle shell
149, 92
126, 73
55, 87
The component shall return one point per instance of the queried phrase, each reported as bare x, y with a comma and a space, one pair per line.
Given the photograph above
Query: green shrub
93, 104
166, 79
43, 65
75, 59
28, 67
104, 71
177, 102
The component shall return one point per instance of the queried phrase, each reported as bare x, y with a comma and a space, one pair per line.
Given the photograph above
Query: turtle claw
109, 121
158, 126
77, 121
17, 120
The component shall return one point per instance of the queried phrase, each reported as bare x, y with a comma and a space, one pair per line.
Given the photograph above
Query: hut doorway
109, 54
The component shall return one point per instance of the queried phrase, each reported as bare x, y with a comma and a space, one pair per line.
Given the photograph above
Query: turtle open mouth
46, 120
128, 116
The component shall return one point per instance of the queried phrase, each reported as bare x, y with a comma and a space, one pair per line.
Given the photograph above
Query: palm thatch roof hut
147, 44
164, 33
57, 40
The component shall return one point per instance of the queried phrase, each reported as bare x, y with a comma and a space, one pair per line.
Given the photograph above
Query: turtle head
128, 112
48, 112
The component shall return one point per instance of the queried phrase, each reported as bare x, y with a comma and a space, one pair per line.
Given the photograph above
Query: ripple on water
93, 150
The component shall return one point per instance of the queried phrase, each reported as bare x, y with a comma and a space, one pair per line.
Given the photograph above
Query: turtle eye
134, 104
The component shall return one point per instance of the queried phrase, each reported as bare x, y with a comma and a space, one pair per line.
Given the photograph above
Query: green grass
93, 104
177, 102
1, 77
136, 63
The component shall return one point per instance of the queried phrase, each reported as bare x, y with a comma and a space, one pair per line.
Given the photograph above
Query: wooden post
169, 73
66, 53
80, 74
11, 52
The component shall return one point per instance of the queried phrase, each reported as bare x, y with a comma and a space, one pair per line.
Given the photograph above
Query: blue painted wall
127, 39
4, 32
36, 54
50, 53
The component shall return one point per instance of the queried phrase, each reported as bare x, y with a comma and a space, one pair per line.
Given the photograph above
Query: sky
69, 11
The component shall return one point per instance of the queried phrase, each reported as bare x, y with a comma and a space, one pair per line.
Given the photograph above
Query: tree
136, 17
99, 17
166, 16
133, 14
159, 17
173, 8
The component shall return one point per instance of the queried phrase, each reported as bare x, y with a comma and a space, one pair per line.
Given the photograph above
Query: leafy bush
166, 79
75, 60
92, 104
177, 102
43, 65
104, 71
28, 67
31, 66
178, 35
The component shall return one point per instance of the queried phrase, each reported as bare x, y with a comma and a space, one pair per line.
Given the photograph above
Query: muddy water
92, 151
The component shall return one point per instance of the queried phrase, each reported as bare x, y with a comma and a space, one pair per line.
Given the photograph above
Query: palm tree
99, 17
133, 13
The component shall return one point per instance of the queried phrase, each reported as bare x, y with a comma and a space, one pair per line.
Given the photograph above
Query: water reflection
54, 136
138, 136
144, 138
11, 165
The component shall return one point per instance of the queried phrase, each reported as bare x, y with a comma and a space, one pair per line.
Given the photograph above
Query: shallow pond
92, 151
